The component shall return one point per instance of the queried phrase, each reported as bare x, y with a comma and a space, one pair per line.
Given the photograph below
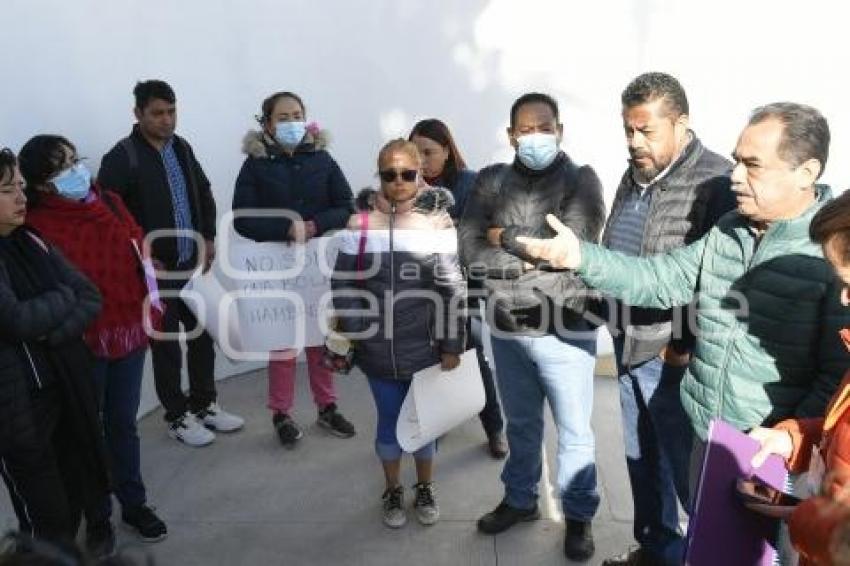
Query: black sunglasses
390, 175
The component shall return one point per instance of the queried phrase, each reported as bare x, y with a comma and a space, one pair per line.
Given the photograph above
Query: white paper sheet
270, 296
438, 401
204, 295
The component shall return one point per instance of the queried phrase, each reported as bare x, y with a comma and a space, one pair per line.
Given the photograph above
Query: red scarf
99, 242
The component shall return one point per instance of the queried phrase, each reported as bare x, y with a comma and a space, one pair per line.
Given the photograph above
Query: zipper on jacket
758, 246
32, 365
392, 293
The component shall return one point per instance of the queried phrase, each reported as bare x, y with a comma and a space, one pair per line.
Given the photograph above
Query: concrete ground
245, 500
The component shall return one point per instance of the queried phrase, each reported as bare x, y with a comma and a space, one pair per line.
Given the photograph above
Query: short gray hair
806, 132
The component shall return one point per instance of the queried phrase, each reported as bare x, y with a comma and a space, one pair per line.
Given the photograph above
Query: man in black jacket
543, 348
164, 187
673, 192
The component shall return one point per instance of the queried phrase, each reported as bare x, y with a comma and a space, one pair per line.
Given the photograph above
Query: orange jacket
814, 521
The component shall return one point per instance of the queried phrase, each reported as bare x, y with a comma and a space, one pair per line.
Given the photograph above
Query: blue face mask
537, 151
290, 133
73, 183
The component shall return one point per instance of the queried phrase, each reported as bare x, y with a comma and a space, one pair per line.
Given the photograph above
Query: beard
647, 172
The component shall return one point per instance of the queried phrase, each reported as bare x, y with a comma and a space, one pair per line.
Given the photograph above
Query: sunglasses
390, 175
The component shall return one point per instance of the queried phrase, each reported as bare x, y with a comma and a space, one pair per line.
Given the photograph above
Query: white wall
368, 70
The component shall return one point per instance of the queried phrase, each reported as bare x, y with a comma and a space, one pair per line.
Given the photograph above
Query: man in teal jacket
768, 310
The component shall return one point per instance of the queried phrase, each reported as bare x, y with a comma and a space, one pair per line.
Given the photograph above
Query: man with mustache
672, 193
767, 306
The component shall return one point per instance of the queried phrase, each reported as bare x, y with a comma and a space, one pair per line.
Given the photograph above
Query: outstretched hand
562, 252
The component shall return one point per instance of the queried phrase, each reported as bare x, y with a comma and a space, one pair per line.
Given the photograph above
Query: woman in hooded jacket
97, 233
288, 167
401, 260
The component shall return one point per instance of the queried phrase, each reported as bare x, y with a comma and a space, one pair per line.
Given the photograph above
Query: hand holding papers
438, 401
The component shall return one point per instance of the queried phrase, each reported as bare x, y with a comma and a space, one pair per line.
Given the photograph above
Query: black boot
578, 542
504, 517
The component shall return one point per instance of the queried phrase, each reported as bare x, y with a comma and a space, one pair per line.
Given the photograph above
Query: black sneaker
335, 423
503, 517
578, 542
634, 556
144, 522
287, 431
497, 445
100, 540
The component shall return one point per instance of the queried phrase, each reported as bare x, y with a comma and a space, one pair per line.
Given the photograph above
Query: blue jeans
389, 395
119, 384
529, 371
658, 438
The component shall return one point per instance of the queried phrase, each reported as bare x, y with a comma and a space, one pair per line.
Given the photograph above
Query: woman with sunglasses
820, 525
51, 453
94, 230
401, 260
443, 166
288, 167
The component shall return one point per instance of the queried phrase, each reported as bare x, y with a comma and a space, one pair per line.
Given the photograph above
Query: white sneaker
425, 504
393, 507
216, 418
189, 430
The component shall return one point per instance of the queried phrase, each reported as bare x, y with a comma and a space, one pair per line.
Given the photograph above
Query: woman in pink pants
287, 167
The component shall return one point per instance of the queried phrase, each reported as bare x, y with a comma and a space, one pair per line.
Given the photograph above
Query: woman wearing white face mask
95, 231
288, 167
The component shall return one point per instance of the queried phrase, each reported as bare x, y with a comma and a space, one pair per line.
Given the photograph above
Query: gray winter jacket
685, 204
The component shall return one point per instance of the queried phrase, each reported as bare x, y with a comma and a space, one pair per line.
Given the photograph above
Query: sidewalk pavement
245, 500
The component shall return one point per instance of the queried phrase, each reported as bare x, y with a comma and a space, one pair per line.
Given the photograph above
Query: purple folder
721, 529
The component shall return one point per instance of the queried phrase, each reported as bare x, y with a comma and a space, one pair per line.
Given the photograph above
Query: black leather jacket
516, 198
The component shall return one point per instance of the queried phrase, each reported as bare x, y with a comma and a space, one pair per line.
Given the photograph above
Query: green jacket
768, 316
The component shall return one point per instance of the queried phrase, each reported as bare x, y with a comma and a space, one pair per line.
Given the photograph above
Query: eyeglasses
390, 175
73, 162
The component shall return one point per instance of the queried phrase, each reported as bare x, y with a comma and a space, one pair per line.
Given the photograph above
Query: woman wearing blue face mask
94, 230
288, 167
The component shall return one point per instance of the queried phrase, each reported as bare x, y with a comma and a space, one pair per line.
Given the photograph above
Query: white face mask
538, 150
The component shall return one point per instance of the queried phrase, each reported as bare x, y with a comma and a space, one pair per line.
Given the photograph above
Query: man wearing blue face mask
543, 348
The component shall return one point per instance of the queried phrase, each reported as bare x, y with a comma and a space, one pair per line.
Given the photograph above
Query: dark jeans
491, 414
167, 359
119, 384
658, 438
41, 474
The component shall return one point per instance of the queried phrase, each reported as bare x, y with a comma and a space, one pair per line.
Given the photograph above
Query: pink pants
282, 380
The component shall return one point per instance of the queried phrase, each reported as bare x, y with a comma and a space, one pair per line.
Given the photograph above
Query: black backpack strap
134, 180
132, 155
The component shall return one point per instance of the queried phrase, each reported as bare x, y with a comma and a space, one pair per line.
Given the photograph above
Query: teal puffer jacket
768, 316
